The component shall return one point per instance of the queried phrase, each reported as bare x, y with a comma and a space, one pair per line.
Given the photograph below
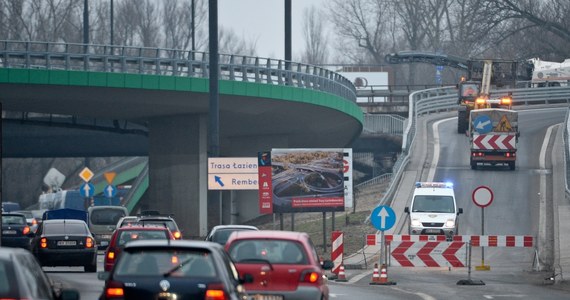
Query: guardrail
171, 62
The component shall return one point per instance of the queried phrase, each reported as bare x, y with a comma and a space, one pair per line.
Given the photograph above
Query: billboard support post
324, 232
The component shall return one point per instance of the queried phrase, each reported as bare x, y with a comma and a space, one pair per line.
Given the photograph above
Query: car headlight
416, 223
450, 223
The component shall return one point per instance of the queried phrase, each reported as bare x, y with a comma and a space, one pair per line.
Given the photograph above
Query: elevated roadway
264, 104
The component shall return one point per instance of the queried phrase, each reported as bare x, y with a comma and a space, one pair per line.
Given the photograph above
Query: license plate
266, 297
66, 243
104, 243
432, 230
8, 231
105, 236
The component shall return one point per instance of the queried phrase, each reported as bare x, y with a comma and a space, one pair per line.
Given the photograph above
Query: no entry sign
482, 196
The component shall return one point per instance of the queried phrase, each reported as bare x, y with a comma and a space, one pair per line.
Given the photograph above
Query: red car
284, 264
123, 235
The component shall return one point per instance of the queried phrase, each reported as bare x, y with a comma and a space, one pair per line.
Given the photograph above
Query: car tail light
88, 242
110, 255
310, 276
34, 222
26, 230
174, 260
43, 243
114, 290
216, 292
177, 235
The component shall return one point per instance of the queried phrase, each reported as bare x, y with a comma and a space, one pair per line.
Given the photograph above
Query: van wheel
512, 166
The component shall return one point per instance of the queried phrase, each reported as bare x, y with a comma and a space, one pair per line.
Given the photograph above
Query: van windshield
432, 203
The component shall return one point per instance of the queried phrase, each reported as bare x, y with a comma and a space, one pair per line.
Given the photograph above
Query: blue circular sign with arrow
110, 191
87, 190
383, 217
483, 124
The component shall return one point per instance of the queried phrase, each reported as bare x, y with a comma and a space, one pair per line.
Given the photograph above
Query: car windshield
106, 216
13, 220
430, 203
273, 251
132, 235
27, 214
166, 262
221, 236
65, 228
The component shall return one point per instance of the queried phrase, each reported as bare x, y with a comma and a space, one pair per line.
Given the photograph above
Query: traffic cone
381, 279
341, 275
375, 275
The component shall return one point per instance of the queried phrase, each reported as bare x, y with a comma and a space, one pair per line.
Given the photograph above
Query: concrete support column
177, 171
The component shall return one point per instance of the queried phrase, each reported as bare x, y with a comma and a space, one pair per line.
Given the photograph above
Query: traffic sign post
482, 196
383, 218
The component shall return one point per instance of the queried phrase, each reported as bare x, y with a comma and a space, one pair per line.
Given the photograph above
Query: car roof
140, 227
106, 206
269, 234
172, 244
63, 221
218, 227
6, 252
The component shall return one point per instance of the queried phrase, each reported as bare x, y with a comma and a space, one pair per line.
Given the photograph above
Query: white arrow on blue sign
110, 191
87, 190
483, 124
383, 217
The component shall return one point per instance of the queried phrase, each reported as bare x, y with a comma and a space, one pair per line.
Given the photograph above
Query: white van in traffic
433, 209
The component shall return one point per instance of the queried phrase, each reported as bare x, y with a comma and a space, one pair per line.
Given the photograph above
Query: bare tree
231, 43
316, 40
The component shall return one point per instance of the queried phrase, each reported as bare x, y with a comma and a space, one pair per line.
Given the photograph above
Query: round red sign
482, 196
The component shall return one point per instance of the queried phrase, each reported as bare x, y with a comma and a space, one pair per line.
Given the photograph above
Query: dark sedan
22, 278
15, 231
65, 242
163, 269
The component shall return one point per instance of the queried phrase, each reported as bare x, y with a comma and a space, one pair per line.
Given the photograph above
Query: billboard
307, 180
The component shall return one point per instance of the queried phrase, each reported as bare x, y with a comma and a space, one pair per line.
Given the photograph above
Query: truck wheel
512, 165
473, 165
461, 121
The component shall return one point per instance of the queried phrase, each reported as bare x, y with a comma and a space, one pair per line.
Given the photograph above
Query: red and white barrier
337, 250
428, 254
496, 240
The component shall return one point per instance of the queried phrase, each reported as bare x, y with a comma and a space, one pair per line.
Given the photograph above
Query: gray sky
264, 21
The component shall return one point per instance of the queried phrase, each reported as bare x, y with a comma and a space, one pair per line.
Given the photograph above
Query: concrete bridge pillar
177, 171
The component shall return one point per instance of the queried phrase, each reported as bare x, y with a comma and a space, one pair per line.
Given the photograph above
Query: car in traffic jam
65, 242
121, 236
165, 269
15, 231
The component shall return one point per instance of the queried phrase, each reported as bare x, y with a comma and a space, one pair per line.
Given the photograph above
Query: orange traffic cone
375, 275
381, 279
341, 275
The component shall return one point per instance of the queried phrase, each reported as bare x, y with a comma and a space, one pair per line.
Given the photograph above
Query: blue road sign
483, 124
110, 191
383, 217
87, 190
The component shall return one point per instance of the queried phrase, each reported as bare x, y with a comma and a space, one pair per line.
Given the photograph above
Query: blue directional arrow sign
110, 191
383, 217
483, 124
219, 180
87, 190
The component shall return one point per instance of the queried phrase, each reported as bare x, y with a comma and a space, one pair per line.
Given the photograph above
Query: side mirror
460, 210
103, 276
328, 264
407, 210
68, 294
247, 278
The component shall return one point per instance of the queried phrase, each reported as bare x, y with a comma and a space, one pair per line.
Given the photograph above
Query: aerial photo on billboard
307, 180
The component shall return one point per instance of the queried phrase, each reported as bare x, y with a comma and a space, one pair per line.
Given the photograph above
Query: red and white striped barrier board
428, 254
496, 240
337, 250
476, 240
494, 142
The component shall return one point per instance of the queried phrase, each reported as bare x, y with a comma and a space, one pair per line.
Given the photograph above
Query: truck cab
433, 210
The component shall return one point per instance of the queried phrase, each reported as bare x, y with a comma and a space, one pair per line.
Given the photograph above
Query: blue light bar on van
434, 184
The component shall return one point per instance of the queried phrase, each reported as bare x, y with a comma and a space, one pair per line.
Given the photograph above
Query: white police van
433, 209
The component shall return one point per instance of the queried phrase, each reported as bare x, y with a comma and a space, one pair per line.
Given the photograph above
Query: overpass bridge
264, 104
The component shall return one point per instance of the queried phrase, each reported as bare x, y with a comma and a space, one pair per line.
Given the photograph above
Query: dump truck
493, 137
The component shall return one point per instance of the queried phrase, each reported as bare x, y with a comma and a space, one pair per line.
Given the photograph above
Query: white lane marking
360, 276
421, 295
435, 158
331, 295
506, 296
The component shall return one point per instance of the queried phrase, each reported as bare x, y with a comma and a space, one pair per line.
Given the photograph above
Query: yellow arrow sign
109, 176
